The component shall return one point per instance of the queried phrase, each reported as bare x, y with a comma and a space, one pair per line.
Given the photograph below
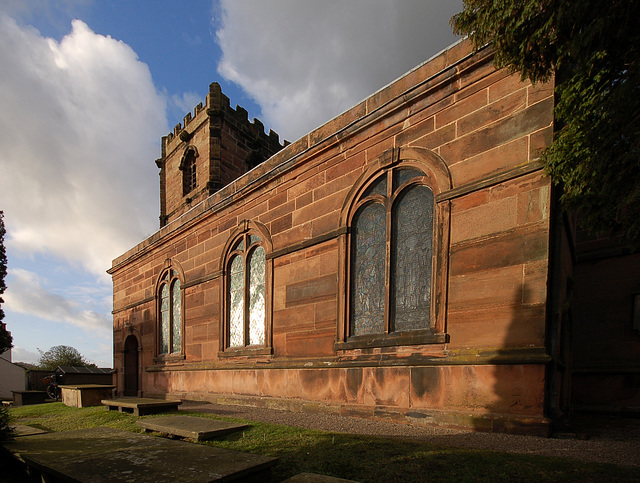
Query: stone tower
215, 145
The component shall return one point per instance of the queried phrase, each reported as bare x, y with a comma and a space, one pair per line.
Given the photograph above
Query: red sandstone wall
489, 129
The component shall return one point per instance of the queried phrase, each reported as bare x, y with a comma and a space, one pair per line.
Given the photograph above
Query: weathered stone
197, 429
107, 455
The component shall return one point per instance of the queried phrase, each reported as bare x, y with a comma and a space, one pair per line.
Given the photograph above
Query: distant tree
6, 341
62, 355
593, 49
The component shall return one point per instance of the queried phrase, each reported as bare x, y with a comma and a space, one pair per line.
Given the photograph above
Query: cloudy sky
88, 87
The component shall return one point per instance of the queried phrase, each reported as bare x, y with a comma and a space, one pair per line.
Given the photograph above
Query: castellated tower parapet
214, 145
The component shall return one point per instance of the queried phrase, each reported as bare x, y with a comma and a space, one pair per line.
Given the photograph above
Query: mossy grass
360, 458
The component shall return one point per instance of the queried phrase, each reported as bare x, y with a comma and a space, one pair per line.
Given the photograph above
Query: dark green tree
592, 47
62, 355
6, 341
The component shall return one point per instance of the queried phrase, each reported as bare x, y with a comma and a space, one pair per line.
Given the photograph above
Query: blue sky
88, 87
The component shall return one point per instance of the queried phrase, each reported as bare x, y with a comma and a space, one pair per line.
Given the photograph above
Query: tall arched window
170, 311
391, 255
394, 268
246, 294
188, 167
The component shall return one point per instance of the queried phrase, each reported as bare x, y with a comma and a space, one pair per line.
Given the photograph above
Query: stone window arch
396, 247
170, 319
246, 291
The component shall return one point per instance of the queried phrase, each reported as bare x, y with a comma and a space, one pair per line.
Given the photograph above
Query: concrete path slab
112, 455
197, 429
24, 430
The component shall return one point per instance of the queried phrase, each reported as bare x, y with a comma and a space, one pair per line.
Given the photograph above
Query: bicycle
53, 390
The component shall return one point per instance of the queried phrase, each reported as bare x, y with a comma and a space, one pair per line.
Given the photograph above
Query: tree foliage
6, 431
593, 49
6, 341
62, 355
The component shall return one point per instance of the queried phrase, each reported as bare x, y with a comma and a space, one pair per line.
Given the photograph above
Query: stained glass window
257, 307
176, 320
401, 176
236, 302
391, 256
170, 314
411, 259
253, 239
246, 293
165, 319
368, 285
378, 187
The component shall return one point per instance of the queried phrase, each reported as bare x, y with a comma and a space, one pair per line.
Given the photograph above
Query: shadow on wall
515, 373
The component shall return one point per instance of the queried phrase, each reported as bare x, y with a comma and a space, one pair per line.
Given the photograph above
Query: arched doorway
131, 366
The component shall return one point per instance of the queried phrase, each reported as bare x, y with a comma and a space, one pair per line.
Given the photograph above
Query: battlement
213, 146
216, 105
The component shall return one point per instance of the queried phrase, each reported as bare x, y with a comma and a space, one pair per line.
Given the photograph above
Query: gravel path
614, 441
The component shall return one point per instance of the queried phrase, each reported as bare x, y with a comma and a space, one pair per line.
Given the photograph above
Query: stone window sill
169, 358
414, 337
245, 352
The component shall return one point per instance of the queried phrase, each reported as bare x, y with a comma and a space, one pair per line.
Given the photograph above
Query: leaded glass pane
367, 270
236, 302
253, 239
401, 176
164, 319
378, 187
411, 259
239, 245
257, 307
176, 322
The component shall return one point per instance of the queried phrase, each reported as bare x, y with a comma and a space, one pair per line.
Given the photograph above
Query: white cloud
20, 354
307, 61
181, 104
79, 127
28, 294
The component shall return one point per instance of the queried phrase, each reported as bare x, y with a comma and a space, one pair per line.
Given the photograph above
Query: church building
406, 261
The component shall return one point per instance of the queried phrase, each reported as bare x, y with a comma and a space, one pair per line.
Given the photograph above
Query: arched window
246, 294
170, 313
188, 167
395, 246
391, 255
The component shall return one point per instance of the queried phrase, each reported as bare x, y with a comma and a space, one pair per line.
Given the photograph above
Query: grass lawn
358, 458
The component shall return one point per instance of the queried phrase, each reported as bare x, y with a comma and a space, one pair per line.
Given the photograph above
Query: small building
12, 376
83, 375
408, 260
